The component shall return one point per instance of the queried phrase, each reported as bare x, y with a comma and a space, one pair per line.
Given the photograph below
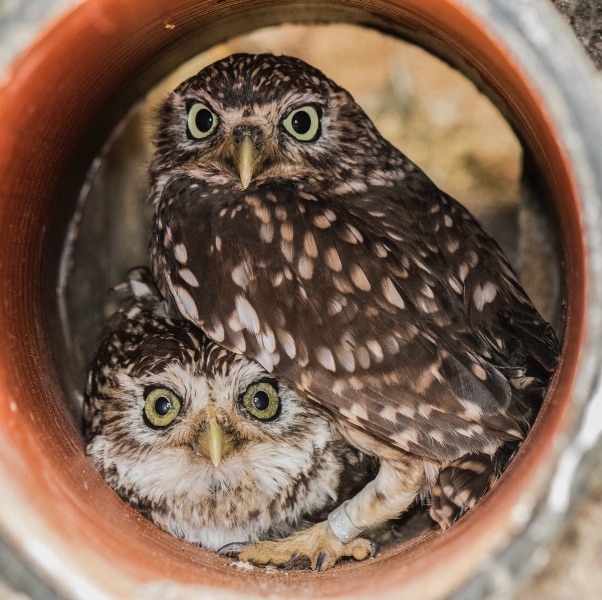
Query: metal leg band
341, 525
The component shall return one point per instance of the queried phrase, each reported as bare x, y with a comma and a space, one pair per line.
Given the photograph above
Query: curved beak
247, 161
213, 443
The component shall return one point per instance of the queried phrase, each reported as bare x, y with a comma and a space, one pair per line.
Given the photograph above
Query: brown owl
204, 442
292, 233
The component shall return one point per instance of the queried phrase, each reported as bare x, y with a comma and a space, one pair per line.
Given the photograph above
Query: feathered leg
394, 489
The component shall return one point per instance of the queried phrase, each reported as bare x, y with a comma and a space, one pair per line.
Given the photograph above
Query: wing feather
393, 309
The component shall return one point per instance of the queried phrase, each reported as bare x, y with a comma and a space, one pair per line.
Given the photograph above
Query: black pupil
301, 122
204, 120
261, 400
162, 406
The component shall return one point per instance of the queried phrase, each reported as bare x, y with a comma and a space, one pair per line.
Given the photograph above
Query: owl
292, 233
205, 443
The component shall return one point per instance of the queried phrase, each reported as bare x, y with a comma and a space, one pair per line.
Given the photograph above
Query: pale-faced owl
204, 442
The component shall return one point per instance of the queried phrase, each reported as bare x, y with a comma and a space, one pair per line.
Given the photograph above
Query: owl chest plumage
251, 496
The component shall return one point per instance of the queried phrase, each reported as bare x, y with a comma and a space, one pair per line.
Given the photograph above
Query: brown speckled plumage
278, 477
342, 269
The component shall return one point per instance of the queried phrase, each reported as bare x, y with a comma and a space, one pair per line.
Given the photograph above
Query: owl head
256, 117
202, 441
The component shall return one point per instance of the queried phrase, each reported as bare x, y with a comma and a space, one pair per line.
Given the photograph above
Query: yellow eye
202, 121
261, 400
303, 124
161, 407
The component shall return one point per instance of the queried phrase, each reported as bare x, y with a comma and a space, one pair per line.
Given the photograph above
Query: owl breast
267, 491
160, 396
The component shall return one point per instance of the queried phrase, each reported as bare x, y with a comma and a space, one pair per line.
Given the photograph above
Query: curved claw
320, 561
231, 549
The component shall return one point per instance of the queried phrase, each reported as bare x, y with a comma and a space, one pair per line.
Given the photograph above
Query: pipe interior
83, 133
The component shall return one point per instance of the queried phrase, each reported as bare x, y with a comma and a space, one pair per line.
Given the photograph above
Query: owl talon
316, 545
320, 560
231, 549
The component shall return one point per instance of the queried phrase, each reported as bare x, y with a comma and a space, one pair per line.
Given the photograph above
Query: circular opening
59, 110
417, 102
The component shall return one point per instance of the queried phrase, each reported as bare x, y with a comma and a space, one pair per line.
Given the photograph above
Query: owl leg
459, 485
392, 491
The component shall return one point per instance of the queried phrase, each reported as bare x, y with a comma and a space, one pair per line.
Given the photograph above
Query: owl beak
213, 443
246, 161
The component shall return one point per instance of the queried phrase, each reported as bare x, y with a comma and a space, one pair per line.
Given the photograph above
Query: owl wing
392, 309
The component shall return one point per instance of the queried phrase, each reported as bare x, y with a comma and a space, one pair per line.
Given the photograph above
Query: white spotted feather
398, 303
278, 477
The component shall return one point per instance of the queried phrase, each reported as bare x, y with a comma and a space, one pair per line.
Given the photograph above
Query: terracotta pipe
61, 100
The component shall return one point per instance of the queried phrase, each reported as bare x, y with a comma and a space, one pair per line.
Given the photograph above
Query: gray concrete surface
573, 566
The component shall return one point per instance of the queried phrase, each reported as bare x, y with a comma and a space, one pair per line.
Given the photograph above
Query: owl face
202, 441
257, 117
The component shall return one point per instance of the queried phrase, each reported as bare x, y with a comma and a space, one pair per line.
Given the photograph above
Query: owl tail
461, 483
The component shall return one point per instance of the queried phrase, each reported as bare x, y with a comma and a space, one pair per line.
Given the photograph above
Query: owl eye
261, 400
202, 121
161, 406
303, 124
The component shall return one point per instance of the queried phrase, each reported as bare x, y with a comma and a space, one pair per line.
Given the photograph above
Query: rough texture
21, 22
572, 565
573, 570
585, 17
